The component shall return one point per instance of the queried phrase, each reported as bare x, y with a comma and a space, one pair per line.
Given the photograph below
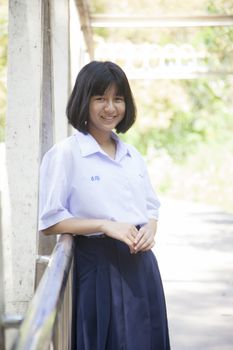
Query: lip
108, 118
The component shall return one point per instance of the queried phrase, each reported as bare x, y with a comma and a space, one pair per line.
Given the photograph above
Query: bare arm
124, 232
75, 227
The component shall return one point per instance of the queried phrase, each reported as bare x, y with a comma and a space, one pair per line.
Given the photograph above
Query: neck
106, 143
103, 139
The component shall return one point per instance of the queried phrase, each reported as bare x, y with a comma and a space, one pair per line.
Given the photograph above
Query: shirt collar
122, 148
88, 145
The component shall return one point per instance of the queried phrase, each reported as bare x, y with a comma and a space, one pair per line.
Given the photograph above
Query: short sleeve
54, 188
152, 201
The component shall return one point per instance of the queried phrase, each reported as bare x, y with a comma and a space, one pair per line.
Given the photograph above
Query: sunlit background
181, 72
182, 79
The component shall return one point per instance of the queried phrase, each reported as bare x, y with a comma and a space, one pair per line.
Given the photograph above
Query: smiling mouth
108, 118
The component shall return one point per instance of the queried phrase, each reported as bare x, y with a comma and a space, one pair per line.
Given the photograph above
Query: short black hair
94, 79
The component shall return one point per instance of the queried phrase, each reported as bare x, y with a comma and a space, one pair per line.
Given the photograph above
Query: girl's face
106, 111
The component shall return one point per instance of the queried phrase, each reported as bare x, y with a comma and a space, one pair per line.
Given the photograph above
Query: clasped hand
141, 240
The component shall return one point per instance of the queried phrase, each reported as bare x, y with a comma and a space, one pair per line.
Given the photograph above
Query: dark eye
120, 98
99, 98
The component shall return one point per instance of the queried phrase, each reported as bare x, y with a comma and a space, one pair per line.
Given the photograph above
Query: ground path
195, 253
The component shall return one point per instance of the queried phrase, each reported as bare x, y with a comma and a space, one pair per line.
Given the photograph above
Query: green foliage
178, 116
206, 176
184, 127
219, 7
162, 7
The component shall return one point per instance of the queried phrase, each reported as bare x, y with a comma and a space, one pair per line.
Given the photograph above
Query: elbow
57, 229
48, 231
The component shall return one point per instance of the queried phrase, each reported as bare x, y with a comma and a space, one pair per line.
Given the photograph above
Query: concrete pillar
23, 149
61, 64
38, 89
55, 85
46, 244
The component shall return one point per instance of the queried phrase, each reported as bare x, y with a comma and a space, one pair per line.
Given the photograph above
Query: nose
110, 106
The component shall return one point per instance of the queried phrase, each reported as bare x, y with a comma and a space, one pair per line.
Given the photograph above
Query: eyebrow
117, 94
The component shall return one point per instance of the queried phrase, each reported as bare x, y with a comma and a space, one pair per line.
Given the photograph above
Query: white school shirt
79, 180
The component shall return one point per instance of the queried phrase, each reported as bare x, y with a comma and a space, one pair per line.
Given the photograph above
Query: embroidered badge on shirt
95, 178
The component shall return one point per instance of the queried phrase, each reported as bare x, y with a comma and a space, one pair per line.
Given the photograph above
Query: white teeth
108, 118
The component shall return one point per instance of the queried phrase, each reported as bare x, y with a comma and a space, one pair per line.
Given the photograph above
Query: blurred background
178, 58
182, 79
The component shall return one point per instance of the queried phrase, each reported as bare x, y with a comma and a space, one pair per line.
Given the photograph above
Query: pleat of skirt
118, 298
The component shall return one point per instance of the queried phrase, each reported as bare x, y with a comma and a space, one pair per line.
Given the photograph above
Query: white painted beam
127, 21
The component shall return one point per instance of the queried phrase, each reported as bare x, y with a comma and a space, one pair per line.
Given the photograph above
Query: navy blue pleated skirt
118, 299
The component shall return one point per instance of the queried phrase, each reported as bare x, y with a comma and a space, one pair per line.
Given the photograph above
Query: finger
139, 236
142, 244
130, 237
130, 240
150, 246
131, 250
131, 247
134, 230
145, 242
135, 235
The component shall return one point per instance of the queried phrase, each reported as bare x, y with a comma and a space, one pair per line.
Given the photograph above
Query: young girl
96, 187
